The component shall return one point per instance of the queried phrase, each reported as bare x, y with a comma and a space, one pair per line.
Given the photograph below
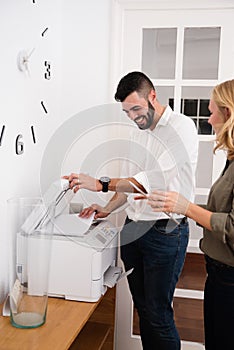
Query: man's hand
100, 212
79, 181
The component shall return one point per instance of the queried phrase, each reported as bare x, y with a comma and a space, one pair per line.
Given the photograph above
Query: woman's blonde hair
223, 96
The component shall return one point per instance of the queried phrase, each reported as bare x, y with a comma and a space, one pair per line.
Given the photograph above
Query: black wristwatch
104, 180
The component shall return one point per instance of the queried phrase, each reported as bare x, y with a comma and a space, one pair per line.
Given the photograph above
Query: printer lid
58, 194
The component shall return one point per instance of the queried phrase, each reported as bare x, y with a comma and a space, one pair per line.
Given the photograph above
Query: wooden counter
65, 319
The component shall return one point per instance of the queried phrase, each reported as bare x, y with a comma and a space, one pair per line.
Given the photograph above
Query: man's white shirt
164, 159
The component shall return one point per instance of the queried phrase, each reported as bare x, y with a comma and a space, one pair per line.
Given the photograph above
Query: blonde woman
217, 219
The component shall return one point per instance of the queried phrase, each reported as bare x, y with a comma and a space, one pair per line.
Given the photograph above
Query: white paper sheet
72, 224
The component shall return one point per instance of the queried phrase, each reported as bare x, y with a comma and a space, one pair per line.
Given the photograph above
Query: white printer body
82, 264
79, 264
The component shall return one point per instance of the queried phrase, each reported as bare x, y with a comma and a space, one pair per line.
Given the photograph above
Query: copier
83, 253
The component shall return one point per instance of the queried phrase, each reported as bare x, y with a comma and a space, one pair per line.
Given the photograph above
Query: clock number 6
47, 73
19, 145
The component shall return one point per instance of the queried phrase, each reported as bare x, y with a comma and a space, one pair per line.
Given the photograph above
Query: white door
186, 49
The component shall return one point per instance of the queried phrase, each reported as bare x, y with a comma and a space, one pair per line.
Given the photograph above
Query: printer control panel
101, 234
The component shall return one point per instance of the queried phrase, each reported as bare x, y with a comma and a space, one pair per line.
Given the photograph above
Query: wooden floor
188, 311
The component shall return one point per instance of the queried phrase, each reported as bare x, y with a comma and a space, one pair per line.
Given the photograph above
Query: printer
83, 252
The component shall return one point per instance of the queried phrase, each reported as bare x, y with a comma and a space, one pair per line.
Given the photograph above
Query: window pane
165, 95
159, 52
190, 107
201, 53
204, 127
195, 102
204, 164
204, 110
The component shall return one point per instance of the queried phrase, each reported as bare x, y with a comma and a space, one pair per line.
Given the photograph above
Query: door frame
124, 339
120, 8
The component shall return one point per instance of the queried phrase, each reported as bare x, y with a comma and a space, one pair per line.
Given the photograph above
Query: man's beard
147, 120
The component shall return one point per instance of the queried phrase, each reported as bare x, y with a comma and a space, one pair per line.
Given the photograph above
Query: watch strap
105, 180
105, 186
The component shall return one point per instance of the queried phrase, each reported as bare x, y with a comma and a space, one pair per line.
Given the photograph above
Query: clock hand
26, 67
23, 60
30, 53
26, 60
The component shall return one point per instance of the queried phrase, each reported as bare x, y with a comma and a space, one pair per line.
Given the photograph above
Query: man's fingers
87, 212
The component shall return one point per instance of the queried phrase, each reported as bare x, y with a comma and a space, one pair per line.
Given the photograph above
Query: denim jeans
219, 306
157, 256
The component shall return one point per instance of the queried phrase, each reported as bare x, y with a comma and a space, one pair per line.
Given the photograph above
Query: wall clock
29, 73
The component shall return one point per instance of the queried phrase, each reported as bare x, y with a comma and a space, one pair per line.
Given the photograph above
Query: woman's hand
170, 202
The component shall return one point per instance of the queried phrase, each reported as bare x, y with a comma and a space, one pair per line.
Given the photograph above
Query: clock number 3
48, 70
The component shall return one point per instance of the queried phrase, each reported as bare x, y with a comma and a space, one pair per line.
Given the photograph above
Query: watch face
105, 179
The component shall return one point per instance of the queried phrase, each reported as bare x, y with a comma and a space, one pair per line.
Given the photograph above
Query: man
165, 146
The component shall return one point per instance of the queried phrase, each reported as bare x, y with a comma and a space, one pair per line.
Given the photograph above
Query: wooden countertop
64, 321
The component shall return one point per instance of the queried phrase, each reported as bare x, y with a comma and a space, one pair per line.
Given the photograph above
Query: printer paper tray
113, 275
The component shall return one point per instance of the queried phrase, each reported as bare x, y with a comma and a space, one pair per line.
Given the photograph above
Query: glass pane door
159, 52
200, 60
201, 52
186, 52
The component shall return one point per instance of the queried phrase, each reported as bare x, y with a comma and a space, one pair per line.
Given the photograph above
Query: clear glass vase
30, 224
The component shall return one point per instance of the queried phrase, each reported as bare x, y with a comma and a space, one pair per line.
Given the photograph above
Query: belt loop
184, 220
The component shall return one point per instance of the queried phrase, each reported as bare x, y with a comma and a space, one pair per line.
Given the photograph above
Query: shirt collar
164, 119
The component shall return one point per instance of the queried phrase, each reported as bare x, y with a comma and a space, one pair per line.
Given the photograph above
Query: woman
217, 219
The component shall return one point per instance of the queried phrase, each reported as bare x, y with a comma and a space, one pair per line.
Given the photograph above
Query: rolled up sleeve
223, 226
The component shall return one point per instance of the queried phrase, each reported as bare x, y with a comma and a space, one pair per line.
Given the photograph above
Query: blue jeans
157, 257
219, 306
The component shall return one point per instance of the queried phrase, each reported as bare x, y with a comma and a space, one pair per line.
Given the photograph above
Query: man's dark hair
134, 81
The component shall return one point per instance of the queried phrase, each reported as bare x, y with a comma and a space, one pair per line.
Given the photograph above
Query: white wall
86, 33
79, 53
21, 24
